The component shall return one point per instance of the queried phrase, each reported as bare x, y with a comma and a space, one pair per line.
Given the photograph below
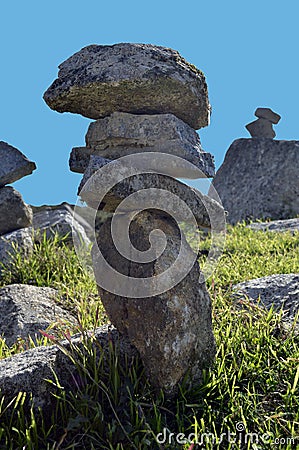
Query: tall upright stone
172, 331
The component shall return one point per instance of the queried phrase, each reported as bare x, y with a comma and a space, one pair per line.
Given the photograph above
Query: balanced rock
279, 291
123, 134
267, 113
14, 213
15, 241
24, 310
261, 128
135, 78
171, 331
172, 193
14, 165
259, 180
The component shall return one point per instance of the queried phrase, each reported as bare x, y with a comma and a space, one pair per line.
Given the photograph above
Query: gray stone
267, 113
202, 162
261, 128
19, 240
139, 130
279, 291
59, 221
14, 165
288, 225
123, 134
24, 310
82, 214
135, 78
79, 215
207, 212
172, 331
29, 371
259, 180
14, 213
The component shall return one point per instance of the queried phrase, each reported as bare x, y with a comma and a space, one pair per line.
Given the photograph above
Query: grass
249, 395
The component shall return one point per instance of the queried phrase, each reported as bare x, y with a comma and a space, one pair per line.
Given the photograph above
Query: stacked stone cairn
263, 126
258, 179
146, 100
15, 214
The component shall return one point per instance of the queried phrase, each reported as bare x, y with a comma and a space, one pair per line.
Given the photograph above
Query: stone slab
123, 134
139, 130
202, 163
135, 78
172, 193
267, 113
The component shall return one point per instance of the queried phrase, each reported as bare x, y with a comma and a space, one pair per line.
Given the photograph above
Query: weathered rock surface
26, 309
30, 370
14, 165
79, 215
290, 225
14, 213
202, 162
279, 291
261, 128
135, 78
267, 113
16, 240
123, 134
59, 221
259, 180
206, 211
139, 130
172, 331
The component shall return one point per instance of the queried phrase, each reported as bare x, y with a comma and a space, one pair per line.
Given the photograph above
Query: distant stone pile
263, 126
15, 215
259, 176
146, 100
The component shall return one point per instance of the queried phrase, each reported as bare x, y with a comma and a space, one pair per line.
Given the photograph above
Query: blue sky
248, 51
